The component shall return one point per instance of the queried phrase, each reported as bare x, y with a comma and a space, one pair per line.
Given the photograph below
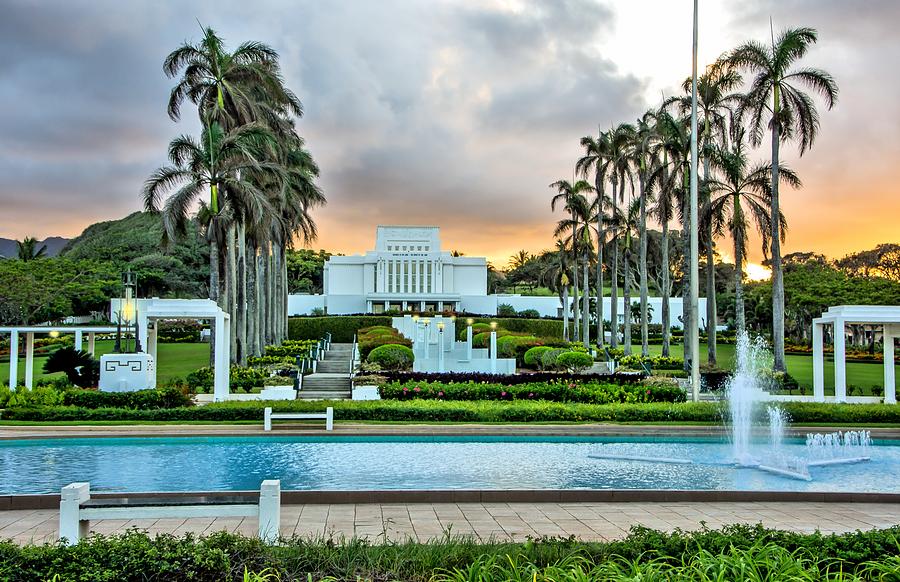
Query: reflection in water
192, 464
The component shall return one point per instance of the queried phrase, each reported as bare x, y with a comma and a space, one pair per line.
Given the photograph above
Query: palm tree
597, 157
218, 164
27, 249
619, 148
573, 198
775, 100
624, 224
519, 259
743, 195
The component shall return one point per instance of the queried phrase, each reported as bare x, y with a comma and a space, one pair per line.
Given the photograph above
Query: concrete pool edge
11, 432
331, 497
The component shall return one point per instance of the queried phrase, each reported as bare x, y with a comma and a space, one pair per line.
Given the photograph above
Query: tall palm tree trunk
777, 274
231, 283
586, 308
665, 315
241, 319
711, 311
614, 276
687, 313
213, 290
599, 282
739, 323
252, 301
262, 298
626, 294
645, 345
575, 319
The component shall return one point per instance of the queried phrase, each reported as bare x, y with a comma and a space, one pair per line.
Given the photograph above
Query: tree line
636, 172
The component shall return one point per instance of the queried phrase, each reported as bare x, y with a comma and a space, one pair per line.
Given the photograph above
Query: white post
270, 510
92, 343
840, 362
79, 340
267, 419
493, 352
29, 360
329, 418
890, 386
71, 527
469, 342
818, 362
441, 350
152, 334
13, 359
222, 372
694, 338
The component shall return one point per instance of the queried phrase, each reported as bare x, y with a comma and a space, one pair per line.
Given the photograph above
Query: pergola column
13, 359
29, 359
222, 372
818, 361
890, 386
92, 345
840, 361
78, 340
152, 334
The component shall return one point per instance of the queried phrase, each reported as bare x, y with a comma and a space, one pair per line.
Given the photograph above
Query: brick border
51, 501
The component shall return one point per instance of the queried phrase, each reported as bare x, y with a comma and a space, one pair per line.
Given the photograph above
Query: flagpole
695, 271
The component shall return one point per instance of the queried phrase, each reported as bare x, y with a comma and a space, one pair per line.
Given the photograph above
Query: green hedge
461, 411
341, 327
560, 391
138, 557
165, 397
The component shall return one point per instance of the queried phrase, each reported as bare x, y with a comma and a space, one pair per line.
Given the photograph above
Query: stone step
323, 395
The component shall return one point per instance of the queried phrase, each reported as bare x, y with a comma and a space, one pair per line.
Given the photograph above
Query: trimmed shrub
392, 357
373, 337
574, 362
548, 359
506, 310
532, 357
514, 379
530, 313
341, 327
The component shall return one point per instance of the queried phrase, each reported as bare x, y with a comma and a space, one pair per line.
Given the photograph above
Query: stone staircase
331, 380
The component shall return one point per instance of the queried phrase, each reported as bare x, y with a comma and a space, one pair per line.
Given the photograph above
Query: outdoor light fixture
493, 325
415, 318
470, 321
127, 314
440, 326
54, 333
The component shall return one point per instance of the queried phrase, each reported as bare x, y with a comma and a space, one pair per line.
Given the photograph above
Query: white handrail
352, 357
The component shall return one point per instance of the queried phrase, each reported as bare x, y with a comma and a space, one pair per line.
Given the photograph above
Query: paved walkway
505, 521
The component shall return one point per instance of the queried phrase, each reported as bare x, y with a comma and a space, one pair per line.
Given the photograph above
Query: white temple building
408, 271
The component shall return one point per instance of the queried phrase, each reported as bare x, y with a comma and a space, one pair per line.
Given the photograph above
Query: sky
457, 114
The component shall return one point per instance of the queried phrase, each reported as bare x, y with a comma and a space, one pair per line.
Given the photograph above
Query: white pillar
29, 360
13, 359
71, 526
222, 372
890, 386
152, 334
840, 362
818, 362
441, 351
92, 343
78, 339
469, 343
440, 306
402, 287
493, 352
270, 510
387, 305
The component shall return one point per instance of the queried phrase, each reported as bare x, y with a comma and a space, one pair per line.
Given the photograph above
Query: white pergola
152, 309
29, 332
838, 317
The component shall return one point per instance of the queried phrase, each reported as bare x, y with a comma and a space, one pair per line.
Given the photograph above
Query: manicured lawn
173, 361
862, 374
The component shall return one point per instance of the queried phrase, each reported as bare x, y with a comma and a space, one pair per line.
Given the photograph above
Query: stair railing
352, 357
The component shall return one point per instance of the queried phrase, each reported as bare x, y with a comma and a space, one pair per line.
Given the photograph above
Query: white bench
327, 416
77, 509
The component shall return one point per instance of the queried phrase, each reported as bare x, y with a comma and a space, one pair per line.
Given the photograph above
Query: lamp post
127, 314
493, 347
469, 323
440, 327
694, 290
451, 335
426, 321
415, 320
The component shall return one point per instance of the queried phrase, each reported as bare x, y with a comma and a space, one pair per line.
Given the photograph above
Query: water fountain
745, 395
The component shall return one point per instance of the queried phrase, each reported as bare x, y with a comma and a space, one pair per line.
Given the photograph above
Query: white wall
469, 276
304, 304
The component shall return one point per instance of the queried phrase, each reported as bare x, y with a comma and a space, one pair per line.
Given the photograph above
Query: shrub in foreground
732, 553
392, 357
557, 391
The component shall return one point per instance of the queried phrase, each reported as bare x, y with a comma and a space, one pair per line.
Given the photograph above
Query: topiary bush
574, 362
548, 359
506, 310
392, 357
532, 357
